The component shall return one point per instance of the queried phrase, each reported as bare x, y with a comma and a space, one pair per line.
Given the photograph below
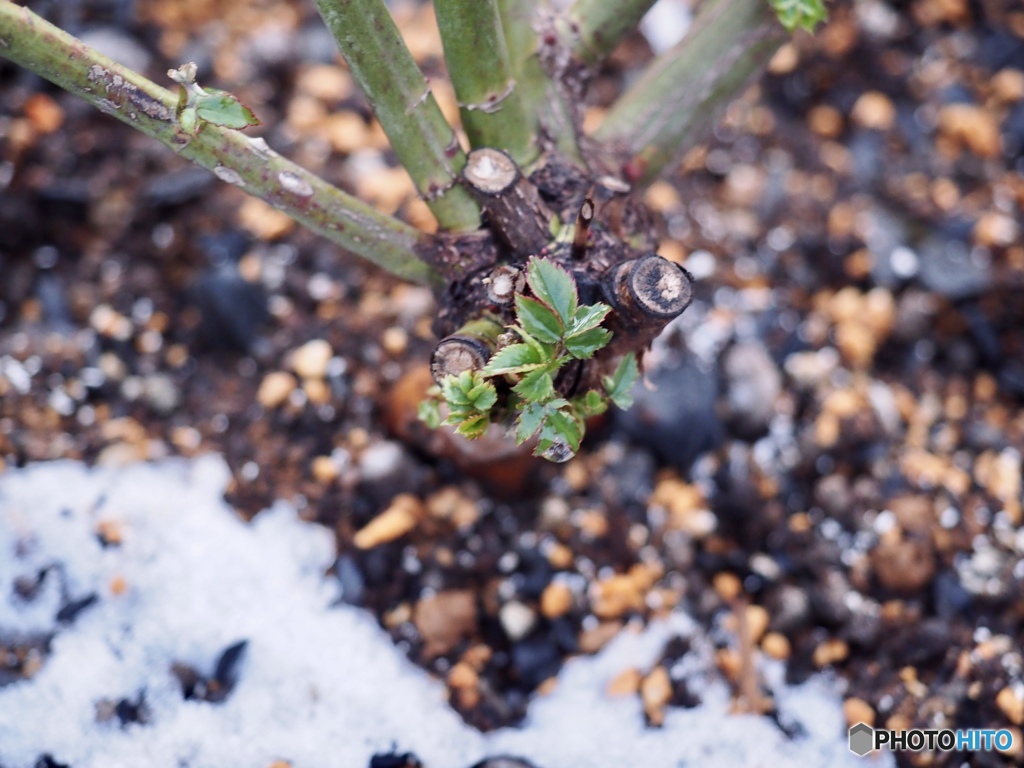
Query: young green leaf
536, 386
515, 358
620, 384
591, 404
587, 317
563, 424
530, 420
553, 286
585, 344
429, 412
483, 396
224, 109
538, 321
474, 426
799, 13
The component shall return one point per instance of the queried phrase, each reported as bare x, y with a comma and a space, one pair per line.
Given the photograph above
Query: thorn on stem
579, 237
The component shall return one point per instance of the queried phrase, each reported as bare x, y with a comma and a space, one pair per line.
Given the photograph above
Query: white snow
321, 684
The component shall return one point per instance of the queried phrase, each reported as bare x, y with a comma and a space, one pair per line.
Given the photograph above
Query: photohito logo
864, 739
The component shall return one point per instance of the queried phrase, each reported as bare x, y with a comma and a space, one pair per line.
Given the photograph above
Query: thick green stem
593, 28
400, 96
248, 163
684, 92
481, 73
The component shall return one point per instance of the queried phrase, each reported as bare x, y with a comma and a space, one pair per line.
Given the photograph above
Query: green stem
249, 163
401, 99
684, 92
593, 28
481, 73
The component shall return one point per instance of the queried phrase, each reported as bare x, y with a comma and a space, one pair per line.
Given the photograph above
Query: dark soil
834, 436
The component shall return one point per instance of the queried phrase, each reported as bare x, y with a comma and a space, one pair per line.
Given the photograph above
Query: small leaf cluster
552, 329
199, 106
805, 14
470, 399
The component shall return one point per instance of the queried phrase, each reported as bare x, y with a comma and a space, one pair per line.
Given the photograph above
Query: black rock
70, 611
225, 672
353, 585
950, 596
233, 309
503, 761
947, 268
535, 660
676, 418
394, 760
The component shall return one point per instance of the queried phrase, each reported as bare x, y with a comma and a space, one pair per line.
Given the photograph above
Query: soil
827, 470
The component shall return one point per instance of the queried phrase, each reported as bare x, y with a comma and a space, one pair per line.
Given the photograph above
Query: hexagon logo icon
862, 738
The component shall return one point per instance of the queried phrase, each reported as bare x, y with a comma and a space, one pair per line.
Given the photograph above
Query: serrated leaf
483, 396
553, 286
584, 345
536, 386
587, 317
515, 358
564, 425
224, 109
538, 320
452, 392
805, 14
591, 404
530, 419
429, 412
620, 384
473, 427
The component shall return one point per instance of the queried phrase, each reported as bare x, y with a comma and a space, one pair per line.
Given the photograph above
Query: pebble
442, 620
874, 110
625, 683
310, 360
776, 645
556, 600
831, 651
996, 229
656, 692
972, 127
275, 389
752, 383
517, 619
858, 711
394, 522
1010, 701
904, 566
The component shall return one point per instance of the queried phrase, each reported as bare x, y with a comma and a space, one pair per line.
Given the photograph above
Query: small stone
463, 675
108, 322
825, 121
324, 469
593, 640
757, 622
904, 566
776, 645
393, 523
263, 220
517, 619
556, 600
275, 389
972, 127
317, 391
625, 683
656, 692
874, 110
831, 651
44, 113
996, 229
727, 586
1010, 701
1008, 85
444, 619
613, 597
858, 711
310, 360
